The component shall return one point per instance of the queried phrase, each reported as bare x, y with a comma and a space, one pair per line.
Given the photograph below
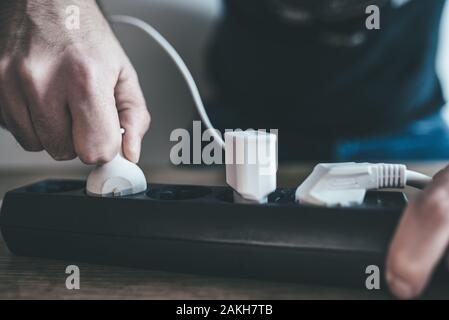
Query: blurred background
188, 26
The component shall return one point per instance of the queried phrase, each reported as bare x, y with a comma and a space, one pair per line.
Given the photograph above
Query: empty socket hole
56, 186
282, 196
278, 196
178, 193
226, 196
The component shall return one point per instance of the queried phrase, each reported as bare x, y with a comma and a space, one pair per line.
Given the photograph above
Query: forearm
47, 19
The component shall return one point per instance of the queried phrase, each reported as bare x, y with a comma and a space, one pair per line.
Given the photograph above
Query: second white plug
251, 164
345, 184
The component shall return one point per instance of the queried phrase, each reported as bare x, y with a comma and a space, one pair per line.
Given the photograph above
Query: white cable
398, 176
164, 44
417, 180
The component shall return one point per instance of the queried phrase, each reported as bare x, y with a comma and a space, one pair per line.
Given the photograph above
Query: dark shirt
312, 67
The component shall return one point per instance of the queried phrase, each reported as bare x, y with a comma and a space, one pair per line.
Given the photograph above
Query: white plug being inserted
251, 165
345, 184
119, 177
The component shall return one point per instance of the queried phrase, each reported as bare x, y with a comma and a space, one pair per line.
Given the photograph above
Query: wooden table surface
33, 278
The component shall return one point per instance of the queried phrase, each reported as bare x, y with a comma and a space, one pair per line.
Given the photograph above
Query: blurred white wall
187, 24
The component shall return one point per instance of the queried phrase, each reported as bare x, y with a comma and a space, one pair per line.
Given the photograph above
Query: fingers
420, 240
69, 108
133, 113
95, 123
49, 112
14, 113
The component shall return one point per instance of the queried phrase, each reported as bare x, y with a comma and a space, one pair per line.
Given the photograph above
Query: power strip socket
198, 229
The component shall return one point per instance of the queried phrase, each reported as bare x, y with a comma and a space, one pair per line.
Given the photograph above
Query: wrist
47, 21
51, 14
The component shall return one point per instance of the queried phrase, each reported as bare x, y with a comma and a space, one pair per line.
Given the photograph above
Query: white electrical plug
251, 164
345, 184
119, 177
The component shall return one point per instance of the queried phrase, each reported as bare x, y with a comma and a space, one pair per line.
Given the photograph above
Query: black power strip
197, 229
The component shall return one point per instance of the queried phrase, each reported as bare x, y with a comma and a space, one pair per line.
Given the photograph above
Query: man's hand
421, 239
68, 91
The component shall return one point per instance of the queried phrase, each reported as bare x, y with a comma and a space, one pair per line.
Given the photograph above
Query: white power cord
329, 184
417, 180
346, 184
168, 48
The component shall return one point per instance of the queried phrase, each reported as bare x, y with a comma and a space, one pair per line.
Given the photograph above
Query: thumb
133, 113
